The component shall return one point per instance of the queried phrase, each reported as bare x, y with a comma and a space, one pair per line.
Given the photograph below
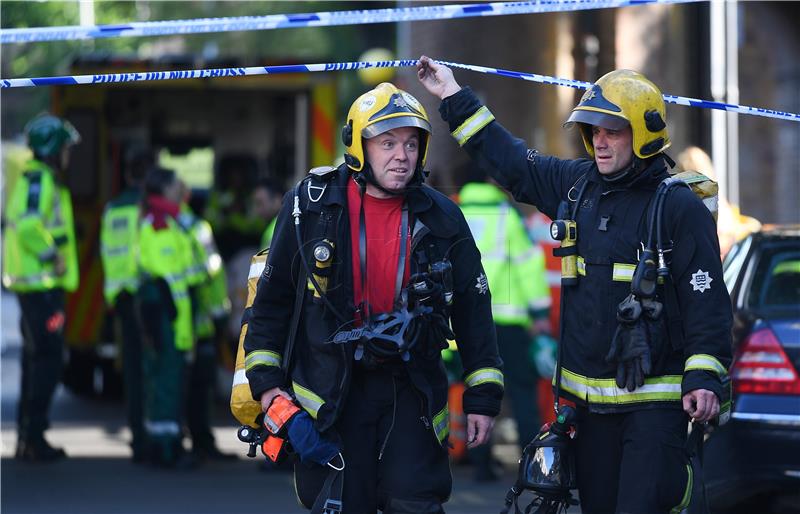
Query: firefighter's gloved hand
630, 348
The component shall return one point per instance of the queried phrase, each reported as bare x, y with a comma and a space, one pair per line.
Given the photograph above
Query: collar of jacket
160, 209
648, 179
481, 193
424, 203
37, 166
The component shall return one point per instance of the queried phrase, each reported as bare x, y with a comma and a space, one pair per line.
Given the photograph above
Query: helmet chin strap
634, 168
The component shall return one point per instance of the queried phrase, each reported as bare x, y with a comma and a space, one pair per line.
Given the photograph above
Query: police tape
114, 78
316, 19
673, 99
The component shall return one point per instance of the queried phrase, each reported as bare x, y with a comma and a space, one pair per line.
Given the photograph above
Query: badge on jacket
481, 284
701, 281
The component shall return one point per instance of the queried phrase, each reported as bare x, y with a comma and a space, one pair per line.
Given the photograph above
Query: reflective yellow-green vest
119, 235
266, 237
206, 273
39, 226
166, 253
514, 266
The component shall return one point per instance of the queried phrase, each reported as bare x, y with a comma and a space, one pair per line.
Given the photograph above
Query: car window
732, 265
776, 281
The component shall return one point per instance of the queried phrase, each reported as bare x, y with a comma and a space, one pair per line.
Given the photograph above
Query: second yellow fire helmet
621, 98
377, 111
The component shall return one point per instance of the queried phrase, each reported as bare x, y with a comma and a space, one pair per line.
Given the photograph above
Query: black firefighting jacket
319, 371
611, 227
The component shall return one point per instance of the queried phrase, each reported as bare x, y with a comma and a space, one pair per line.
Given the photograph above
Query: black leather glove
630, 348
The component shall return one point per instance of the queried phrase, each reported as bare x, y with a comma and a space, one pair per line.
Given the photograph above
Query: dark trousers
520, 387
125, 308
202, 376
42, 359
164, 367
393, 460
632, 463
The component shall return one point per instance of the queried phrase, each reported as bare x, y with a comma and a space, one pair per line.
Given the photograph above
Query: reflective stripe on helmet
474, 123
605, 390
484, 376
705, 362
308, 400
262, 358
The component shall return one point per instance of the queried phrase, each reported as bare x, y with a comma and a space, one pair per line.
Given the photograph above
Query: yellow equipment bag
705, 189
243, 406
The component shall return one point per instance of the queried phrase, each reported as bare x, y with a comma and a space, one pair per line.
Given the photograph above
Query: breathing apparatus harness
547, 464
387, 335
383, 336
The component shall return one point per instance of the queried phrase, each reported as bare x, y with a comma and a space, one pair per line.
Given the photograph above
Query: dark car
752, 464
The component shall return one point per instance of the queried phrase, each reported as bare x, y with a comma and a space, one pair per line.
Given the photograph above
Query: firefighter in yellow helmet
358, 343
39, 265
639, 356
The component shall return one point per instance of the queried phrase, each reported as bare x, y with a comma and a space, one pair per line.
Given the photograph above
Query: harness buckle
332, 507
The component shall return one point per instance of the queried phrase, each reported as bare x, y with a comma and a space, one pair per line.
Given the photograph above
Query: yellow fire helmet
377, 111
618, 99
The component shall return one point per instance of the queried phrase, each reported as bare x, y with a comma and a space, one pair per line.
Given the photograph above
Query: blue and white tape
110, 78
316, 19
673, 99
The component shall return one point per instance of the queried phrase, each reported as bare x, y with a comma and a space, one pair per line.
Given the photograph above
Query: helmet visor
386, 125
597, 119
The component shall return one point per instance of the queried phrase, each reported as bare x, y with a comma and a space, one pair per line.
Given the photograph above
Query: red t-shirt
382, 218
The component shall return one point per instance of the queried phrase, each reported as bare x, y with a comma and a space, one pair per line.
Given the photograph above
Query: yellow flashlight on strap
566, 231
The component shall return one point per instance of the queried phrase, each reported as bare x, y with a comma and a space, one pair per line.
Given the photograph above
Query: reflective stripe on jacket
39, 226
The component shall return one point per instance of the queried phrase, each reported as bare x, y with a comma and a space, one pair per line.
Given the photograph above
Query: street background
99, 478
221, 135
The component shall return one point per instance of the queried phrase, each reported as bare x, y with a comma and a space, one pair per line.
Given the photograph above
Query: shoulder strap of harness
317, 183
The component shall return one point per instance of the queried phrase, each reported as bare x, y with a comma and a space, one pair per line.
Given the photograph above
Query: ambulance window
195, 167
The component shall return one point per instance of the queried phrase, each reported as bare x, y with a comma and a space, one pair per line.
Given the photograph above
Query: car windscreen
776, 279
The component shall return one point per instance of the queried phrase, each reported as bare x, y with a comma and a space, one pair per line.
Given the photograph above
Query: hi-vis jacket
39, 227
514, 265
119, 245
206, 273
611, 227
165, 253
319, 371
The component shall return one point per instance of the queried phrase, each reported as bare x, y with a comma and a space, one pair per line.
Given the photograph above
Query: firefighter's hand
59, 265
437, 78
479, 429
701, 404
268, 396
